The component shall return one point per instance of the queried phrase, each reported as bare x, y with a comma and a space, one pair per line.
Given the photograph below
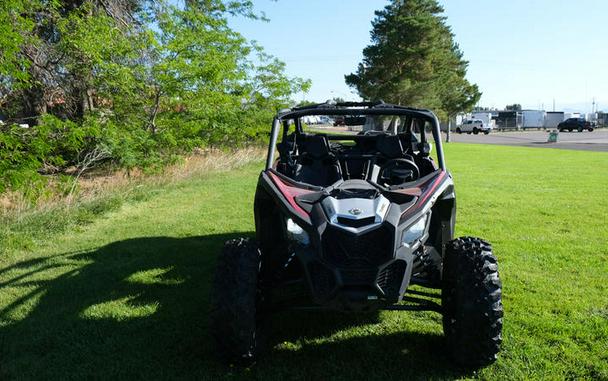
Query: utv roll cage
351, 109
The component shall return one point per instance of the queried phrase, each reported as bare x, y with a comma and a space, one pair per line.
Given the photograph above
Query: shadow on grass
138, 309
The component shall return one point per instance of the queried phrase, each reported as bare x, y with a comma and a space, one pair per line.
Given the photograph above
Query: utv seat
390, 147
423, 159
397, 166
287, 150
317, 165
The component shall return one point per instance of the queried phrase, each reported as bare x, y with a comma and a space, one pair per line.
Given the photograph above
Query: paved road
587, 141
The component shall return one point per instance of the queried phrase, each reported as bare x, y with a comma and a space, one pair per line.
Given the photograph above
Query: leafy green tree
204, 83
129, 83
513, 107
481, 109
305, 103
413, 60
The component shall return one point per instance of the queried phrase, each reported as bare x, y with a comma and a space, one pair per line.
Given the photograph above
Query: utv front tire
472, 302
235, 302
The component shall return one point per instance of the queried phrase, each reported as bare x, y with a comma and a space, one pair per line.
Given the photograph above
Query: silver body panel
356, 209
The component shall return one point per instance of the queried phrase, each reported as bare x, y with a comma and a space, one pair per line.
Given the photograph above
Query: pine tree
413, 60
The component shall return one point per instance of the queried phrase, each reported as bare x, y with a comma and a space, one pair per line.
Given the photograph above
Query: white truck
474, 126
311, 119
486, 118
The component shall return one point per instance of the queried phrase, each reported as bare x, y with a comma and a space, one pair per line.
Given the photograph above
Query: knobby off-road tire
472, 304
235, 300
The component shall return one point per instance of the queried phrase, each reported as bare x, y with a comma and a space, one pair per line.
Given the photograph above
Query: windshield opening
389, 150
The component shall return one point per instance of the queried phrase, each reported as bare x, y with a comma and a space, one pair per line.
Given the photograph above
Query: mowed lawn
126, 296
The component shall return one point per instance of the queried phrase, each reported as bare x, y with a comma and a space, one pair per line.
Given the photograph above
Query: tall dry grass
95, 185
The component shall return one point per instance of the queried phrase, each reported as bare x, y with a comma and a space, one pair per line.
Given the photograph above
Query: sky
528, 52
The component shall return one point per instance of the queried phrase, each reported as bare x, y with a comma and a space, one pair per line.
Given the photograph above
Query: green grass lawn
126, 295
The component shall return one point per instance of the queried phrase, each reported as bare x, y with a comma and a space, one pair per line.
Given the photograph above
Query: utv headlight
296, 233
414, 232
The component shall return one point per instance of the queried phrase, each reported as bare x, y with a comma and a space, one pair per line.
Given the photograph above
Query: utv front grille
358, 276
323, 279
356, 223
346, 250
390, 279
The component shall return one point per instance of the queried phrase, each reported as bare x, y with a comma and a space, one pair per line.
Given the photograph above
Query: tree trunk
447, 135
152, 121
33, 104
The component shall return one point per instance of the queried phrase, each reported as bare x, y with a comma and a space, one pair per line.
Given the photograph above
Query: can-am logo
355, 211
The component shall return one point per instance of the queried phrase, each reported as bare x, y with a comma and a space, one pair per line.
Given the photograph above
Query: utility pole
553, 104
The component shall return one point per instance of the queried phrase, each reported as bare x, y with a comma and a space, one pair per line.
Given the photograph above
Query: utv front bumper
357, 272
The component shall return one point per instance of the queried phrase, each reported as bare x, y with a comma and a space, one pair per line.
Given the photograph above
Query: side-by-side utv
348, 217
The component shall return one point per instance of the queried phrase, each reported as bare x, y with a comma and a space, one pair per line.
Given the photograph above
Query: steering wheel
398, 171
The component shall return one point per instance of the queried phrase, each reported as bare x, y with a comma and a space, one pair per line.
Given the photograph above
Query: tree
129, 82
55, 49
513, 107
305, 103
413, 60
481, 109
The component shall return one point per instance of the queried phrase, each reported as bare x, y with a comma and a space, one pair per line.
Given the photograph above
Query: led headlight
414, 232
296, 233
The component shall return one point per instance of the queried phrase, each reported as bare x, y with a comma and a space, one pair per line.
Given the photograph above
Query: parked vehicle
602, 118
474, 126
486, 117
348, 223
324, 119
509, 120
553, 119
578, 124
311, 119
533, 118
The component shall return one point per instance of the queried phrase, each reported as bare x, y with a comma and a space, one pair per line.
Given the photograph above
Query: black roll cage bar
354, 109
